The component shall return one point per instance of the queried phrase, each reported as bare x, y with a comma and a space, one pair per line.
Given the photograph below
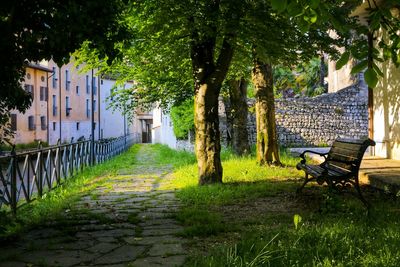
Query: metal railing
23, 176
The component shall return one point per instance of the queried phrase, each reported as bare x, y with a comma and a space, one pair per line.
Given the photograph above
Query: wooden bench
341, 165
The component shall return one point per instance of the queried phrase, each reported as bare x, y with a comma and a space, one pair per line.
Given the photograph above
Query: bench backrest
345, 155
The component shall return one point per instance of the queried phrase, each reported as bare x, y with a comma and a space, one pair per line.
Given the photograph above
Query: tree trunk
229, 121
208, 76
239, 111
322, 72
267, 145
208, 145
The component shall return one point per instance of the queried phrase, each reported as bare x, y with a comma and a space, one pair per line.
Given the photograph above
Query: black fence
26, 175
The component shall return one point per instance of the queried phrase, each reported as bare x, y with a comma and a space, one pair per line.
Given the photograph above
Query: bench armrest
303, 155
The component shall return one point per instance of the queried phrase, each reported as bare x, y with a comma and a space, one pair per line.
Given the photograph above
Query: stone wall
315, 121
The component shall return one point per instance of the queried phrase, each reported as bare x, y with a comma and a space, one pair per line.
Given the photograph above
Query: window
42, 78
28, 76
94, 85
94, 105
44, 95
31, 123
87, 85
101, 82
77, 90
54, 105
43, 122
54, 78
67, 81
67, 108
77, 126
94, 125
13, 122
87, 109
54, 125
30, 89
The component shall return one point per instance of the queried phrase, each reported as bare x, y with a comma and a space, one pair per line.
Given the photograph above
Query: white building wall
112, 121
69, 130
163, 132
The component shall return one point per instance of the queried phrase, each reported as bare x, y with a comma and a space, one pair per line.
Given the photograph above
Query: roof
38, 67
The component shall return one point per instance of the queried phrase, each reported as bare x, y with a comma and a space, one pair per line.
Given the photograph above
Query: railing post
71, 158
14, 181
91, 150
59, 161
39, 172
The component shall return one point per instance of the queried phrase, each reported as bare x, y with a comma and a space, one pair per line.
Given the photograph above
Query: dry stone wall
312, 121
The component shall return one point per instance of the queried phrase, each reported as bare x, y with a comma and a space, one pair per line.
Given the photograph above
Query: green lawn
249, 220
252, 219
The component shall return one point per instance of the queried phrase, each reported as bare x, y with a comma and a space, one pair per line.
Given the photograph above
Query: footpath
125, 222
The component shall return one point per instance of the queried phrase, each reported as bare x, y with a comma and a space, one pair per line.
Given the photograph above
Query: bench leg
360, 196
304, 184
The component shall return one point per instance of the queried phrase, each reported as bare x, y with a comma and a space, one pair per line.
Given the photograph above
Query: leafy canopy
43, 29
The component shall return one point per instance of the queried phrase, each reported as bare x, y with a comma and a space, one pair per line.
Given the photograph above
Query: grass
55, 202
249, 220
243, 178
32, 145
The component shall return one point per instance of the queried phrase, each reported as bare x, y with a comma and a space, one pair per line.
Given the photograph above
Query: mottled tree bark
209, 76
229, 120
267, 145
239, 111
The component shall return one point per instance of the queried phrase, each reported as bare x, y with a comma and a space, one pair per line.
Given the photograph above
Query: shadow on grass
249, 220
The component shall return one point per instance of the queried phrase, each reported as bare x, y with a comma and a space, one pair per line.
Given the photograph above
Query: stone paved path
125, 222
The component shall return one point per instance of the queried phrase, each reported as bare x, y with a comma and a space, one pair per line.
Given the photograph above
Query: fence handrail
33, 172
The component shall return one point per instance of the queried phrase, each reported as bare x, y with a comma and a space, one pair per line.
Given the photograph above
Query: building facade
65, 99
32, 125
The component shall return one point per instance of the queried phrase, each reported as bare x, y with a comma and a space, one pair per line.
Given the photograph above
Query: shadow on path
124, 222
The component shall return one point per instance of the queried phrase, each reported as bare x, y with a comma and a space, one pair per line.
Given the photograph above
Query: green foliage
303, 79
382, 18
36, 30
182, 117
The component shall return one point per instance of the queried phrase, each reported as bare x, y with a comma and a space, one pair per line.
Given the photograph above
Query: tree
382, 16
196, 47
35, 30
267, 145
239, 112
287, 43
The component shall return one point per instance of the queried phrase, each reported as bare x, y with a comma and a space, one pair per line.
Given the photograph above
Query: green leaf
296, 220
279, 5
294, 9
359, 67
343, 60
378, 70
371, 78
313, 19
314, 3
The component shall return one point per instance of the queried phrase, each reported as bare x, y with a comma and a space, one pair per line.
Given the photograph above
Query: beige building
70, 102
63, 106
384, 101
32, 125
